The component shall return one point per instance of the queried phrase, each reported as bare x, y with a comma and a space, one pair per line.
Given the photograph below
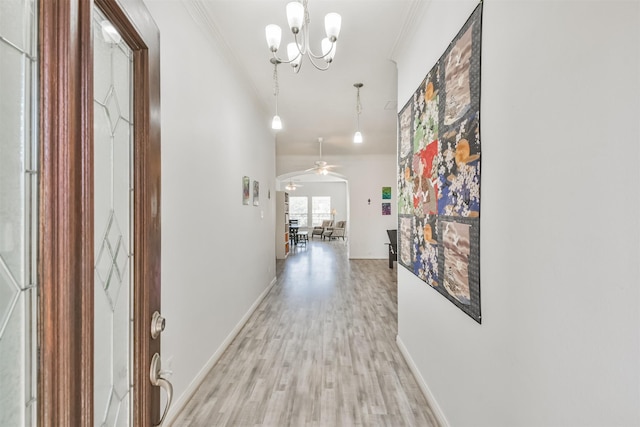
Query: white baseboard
431, 400
182, 401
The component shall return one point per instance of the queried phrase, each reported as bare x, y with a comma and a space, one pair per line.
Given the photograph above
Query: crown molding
415, 14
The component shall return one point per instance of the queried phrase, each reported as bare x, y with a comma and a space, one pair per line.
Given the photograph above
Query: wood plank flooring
319, 351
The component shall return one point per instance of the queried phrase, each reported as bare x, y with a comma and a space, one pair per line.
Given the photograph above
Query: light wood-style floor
319, 351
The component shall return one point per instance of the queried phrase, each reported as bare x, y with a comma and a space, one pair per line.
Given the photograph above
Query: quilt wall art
439, 173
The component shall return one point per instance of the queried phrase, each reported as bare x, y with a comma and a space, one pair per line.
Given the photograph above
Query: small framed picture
245, 190
256, 193
386, 208
386, 193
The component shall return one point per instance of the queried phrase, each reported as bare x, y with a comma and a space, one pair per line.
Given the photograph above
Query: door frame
66, 255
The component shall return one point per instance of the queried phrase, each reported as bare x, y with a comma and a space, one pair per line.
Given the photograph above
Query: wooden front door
99, 237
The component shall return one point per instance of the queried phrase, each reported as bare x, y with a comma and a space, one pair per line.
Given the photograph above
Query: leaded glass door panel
113, 225
18, 212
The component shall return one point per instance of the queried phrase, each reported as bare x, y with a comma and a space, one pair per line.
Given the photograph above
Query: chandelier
298, 19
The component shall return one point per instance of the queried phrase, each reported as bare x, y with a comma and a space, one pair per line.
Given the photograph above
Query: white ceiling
313, 103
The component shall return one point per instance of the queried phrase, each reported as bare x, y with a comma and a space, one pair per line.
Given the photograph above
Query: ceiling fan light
332, 23
357, 138
295, 16
276, 123
324, 171
274, 35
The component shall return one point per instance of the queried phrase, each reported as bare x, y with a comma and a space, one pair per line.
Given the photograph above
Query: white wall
218, 256
560, 247
366, 175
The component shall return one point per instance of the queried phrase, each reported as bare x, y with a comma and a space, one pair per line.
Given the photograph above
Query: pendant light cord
358, 104
276, 87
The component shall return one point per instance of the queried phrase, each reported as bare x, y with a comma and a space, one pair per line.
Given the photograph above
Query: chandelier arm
319, 67
306, 48
280, 60
303, 45
311, 54
311, 58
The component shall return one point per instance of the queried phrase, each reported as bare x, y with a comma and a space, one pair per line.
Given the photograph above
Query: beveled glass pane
18, 214
12, 149
12, 358
101, 64
9, 292
123, 413
112, 410
102, 356
113, 109
113, 242
122, 80
16, 17
121, 179
101, 171
121, 344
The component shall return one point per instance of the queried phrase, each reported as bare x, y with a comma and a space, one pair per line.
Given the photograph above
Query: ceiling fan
321, 167
292, 186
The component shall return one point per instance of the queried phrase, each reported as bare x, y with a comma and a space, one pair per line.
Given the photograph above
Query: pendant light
276, 123
357, 137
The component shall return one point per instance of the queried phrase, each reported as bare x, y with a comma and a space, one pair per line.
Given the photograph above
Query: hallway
319, 351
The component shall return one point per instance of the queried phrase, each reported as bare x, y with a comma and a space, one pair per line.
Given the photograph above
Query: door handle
158, 381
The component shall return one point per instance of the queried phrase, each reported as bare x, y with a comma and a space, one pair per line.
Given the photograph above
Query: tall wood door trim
65, 385
65, 274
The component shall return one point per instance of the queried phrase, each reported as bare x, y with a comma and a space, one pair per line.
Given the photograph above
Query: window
321, 209
299, 209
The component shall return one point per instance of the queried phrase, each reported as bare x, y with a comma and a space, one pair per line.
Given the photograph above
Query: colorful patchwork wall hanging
439, 173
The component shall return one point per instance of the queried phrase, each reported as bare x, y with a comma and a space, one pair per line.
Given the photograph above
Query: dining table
293, 233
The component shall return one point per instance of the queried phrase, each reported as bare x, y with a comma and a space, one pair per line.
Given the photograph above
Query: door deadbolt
157, 325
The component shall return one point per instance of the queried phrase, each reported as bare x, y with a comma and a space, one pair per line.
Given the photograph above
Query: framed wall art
439, 173
245, 190
386, 193
256, 193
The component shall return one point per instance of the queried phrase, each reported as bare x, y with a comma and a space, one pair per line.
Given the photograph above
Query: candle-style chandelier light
298, 19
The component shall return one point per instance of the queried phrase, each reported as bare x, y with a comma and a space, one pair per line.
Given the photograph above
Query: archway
312, 185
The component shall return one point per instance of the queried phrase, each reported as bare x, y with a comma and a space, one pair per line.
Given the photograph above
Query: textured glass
12, 177
122, 80
18, 213
112, 244
16, 22
12, 374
